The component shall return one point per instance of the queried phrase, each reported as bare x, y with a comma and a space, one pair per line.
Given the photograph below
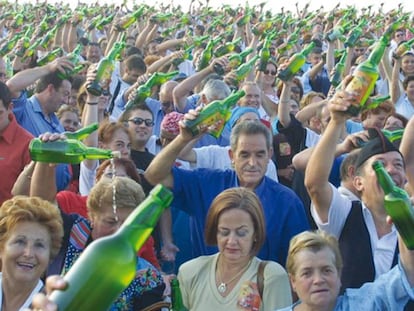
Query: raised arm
27, 77
395, 87
321, 160
159, 171
407, 150
182, 90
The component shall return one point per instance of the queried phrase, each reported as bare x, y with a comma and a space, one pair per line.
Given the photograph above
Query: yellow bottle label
361, 85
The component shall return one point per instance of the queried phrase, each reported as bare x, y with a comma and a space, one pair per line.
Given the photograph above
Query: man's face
315, 58
94, 53
250, 159
252, 97
59, 96
367, 183
131, 75
139, 130
4, 116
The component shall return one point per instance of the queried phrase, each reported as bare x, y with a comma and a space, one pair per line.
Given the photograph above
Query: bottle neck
377, 53
384, 179
140, 223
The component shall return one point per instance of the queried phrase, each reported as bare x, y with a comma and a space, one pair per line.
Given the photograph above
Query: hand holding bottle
42, 301
60, 64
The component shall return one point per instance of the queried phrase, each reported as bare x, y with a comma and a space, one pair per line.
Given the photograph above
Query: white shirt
404, 107
382, 248
29, 299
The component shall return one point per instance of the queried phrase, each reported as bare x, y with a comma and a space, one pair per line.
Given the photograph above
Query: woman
110, 202
30, 236
314, 265
228, 279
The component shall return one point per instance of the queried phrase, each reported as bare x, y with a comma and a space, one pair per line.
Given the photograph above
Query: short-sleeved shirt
284, 212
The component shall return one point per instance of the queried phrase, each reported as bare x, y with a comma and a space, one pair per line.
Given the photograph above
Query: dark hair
5, 95
126, 115
128, 164
133, 50
135, 62
407, 80
51, 78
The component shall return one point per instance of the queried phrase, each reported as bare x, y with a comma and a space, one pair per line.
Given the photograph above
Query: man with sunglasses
140, 122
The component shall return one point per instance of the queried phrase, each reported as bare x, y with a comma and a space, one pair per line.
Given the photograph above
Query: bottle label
361, 85
214, 119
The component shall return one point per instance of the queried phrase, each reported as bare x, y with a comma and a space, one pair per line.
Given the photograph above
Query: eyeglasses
139, 121
271, 72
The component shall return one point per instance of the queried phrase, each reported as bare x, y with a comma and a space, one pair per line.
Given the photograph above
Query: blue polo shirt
29, 115
284, 213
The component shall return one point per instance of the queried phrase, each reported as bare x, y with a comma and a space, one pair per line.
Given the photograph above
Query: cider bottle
218, 110
49, 57
70, 151
82, 133
397, 204
105, 68
339, 70
295, 63
176, 297
108, 265
365, 76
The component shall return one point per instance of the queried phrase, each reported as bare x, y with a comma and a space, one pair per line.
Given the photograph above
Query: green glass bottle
70, 151
389, 32
30, 51
235, 60
18, 21
393, 135
82, 133
264, 55
374, 102
337, 31
243, 70
144, 90
51, 56
74, 58
199, 40
295, 63
94, 21
245, 19
176, 297
130, 19
47, 38
286, 47
187, 53
365, 76
355, 34
105, 21
9, 45
339, 70
24, 41
206, 56
227, 48
261, 27
218, 110
402, 48
105, 68
397, 204
108, 265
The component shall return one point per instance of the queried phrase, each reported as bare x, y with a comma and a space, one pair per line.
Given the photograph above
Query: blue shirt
284, 213
29, 114
391, 291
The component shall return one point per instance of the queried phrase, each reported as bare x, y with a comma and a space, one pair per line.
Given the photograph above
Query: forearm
395, 91
43, 182
408, 152
25, 78
283, 107
22, 183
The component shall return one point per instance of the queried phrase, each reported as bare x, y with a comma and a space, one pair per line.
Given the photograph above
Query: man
140, 122
37, 113
195, 190
14, 145
368, 243
317, 77
134, 67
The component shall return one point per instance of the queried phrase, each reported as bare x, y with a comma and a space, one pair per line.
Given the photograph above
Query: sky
274, 5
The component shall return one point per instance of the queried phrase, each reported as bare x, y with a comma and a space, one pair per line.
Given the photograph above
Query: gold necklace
222, 287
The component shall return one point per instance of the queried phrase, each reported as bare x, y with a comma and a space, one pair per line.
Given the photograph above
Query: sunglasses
271, 72
139, 121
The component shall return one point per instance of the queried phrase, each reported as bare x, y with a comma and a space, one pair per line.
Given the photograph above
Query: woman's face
235, 235
407, 64
105, 222
120, 142
70, 121
316, 280
269, 75
393, 123
26, 253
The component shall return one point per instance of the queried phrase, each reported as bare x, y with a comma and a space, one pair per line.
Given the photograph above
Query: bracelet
92, 104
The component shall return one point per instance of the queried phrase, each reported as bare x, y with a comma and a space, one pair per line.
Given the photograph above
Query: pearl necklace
222, 287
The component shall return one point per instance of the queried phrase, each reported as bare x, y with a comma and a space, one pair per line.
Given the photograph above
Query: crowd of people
276, 205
